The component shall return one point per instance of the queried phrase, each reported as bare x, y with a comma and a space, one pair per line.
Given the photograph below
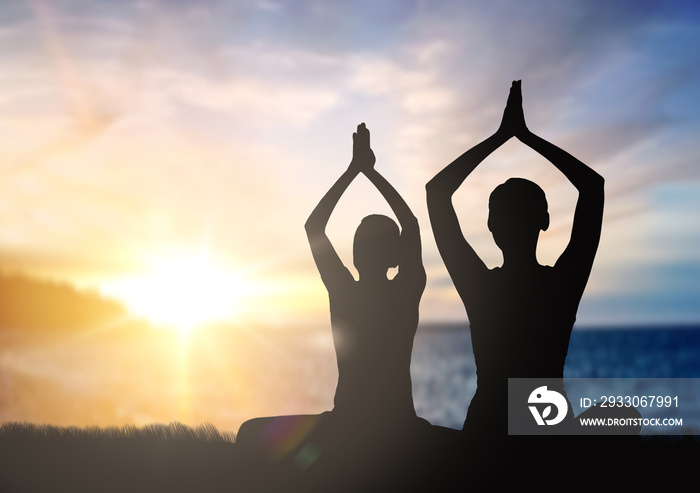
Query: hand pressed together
362, 155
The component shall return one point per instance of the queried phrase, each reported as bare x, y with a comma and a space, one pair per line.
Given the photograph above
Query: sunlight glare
181, 292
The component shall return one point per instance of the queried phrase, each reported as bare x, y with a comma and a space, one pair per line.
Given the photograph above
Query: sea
648, 360
228, 375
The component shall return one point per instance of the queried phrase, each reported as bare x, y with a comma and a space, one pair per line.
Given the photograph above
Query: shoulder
495, 273
410, 278
341, 282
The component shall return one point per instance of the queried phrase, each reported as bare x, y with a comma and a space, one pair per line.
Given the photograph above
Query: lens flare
181, 292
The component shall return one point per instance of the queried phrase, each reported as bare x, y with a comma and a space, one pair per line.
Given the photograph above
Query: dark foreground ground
176, 458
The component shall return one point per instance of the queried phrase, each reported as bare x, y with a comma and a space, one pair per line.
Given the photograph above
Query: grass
173, 458
177, 458
176, 432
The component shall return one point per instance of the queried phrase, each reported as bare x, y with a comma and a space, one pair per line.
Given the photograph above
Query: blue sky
142, 130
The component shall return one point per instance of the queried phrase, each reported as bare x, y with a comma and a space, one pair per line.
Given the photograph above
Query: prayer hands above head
513, 123
362, 155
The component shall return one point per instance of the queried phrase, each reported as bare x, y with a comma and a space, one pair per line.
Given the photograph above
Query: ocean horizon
443, 368
226, 376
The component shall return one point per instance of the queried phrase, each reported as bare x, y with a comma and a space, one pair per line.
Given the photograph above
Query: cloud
133, 125
268, 102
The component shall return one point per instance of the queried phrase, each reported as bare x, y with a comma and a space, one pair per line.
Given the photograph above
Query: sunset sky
151, 147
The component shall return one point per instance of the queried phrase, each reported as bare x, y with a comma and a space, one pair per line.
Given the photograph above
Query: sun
181, 292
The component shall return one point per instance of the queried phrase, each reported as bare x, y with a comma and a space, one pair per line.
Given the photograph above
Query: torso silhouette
521, 322
373, 325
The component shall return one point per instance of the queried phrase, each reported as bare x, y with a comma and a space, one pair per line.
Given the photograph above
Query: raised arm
327, 260
410, 261
410, 231
461, 260
588, 216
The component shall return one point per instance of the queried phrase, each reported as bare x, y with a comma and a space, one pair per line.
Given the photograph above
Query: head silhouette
376, 245
517, 214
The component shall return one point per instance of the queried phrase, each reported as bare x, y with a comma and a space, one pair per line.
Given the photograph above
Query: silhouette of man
373, 319
521, 314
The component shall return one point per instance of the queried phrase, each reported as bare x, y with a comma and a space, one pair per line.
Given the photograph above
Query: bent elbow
600, 181
594, 191
600, 185
594, 184
440, 187
434, 191
437, 197
311, 227
431, 188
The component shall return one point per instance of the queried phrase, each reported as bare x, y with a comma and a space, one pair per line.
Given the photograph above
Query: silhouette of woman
373, 319
521, 314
